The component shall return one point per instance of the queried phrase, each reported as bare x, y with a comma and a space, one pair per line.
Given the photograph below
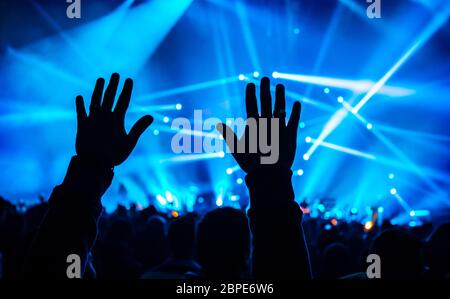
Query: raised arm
70, 225
279, 249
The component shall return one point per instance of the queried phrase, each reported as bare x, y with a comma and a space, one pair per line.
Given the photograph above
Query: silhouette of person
70, 225
279, 248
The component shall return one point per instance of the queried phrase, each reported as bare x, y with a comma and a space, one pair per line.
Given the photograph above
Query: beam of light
329, 127
343, 149
419, 213
357, 86
37, 62
152, 108
402, 202
186, 89
412, 133
247, 34
194, 157
326, 43
439, 20
297, 97
230, 170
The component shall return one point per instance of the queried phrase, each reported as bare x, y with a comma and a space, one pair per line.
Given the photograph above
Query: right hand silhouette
102, 134
287, 133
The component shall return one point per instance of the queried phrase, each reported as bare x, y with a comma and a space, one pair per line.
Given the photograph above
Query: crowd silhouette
272, 240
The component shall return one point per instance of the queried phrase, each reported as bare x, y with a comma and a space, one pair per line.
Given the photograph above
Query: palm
102, 134
287, 134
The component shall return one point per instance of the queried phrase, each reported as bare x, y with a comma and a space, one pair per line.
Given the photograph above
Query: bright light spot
219, 201
306, 157
412, 213
368, 225
391, 176
155, 132
308, 140
326, 90
241, 77
178, 106
321, 208
200, 200
166, 119
239, 181
221, 154
174, 214
393, 191
334, 221
380, 209
234, 197
354, 210
369, 126
161, 199
169, 196
302, 125
340, 99
256, 74
296, 31
229, 170
354, 110
275, 74
300, 172
327, 226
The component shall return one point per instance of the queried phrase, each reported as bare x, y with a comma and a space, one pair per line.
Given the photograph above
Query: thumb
138, 128
229, 136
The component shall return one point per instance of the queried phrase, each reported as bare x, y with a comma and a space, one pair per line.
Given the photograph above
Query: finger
110, 93
138, 128
229, 136
81, 110
250, 101
124, 98
265, 98
97, 95
280, 102
294, 119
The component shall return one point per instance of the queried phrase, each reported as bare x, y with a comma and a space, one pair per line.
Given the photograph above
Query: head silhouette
400, 254
182, 238
224, 243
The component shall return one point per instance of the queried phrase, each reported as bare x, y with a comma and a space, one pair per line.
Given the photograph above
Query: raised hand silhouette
287, 133
101, 134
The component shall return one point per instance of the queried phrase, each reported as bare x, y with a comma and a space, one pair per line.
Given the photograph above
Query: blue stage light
241, 77
369, 126
393, 191
380, 209
239, 181
306, 157
340, 99
178, 106
256, 74
412, 213
300, 172
308, 140
391, 176
302, 125
229, 170
219, 201
296, 31
166, 119
155, 132
326, 90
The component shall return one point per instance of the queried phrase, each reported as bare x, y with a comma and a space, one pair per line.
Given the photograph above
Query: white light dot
340, 99
256, 74
221, 154
305, 157
354, 110
275, 74
241, 77
219, 202
239, 181
300, 172
369, 126
393, 191
156, 132
308, 139
166, 119
391, 176
229, 170
302, 125
326, 90
412, 213
178, 106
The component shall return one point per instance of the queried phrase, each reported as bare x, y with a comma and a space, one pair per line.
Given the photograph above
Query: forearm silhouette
70, 225
279, 248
